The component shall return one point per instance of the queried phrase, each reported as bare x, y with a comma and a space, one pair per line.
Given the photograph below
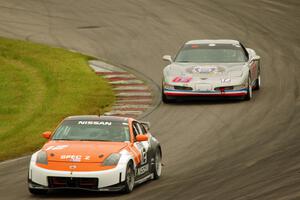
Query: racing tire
257, 83
249, 90
129, 180
157, 165
167, 99
37, 191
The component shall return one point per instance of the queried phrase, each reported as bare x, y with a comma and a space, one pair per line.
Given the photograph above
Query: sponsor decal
179, 79
87, 157
71, 158
75, 158
225, 80
59, 147
143, 169
143, 148
97, 123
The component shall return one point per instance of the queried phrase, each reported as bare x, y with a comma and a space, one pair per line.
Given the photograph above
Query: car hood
197, 72
81, 151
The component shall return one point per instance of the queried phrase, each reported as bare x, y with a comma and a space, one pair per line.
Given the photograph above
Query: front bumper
226, 93
107, 180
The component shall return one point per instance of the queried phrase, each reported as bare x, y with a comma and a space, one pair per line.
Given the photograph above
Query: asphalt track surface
220, 150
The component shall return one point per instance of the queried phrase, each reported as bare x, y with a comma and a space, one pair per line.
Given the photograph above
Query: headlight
240, 87
42, 158
112, 159
168, 86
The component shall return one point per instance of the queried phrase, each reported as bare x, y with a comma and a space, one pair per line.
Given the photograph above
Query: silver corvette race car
211, 68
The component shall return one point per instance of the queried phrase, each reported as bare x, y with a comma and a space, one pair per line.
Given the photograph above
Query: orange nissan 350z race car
98, 153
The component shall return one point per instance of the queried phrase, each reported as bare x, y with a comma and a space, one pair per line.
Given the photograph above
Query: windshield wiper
96, 140
61, 139
184, 61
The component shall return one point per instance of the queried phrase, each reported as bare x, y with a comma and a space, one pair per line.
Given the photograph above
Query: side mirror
141, 138
146, 125
168, 58
47, 134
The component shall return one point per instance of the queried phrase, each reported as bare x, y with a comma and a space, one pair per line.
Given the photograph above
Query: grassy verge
39, 86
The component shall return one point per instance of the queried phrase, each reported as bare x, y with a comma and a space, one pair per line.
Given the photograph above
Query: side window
144, 131
135, 129
140, 130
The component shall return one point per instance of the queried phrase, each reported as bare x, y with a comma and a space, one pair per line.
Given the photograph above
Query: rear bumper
229, 93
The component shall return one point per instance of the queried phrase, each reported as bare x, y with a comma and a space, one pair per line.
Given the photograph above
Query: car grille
224, 88
182, 88
71, 182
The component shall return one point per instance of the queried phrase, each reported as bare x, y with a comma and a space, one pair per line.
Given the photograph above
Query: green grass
39, 86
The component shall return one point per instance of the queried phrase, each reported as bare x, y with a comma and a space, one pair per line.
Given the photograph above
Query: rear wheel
249, 90
158, 165
37, 191
129, 181
257, 83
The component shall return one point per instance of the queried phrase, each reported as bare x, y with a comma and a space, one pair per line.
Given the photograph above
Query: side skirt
144, 179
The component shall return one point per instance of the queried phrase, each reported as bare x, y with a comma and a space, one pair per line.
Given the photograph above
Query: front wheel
166, 99
37, 191
129, 180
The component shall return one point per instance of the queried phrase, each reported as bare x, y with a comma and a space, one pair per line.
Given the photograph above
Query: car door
143, 148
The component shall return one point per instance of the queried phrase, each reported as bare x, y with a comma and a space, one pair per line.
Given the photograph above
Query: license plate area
203, 87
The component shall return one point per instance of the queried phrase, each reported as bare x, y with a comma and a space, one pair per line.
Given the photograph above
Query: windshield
211, 53
92, 131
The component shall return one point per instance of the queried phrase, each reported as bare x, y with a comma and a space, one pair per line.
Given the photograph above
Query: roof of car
218, 41
97, 118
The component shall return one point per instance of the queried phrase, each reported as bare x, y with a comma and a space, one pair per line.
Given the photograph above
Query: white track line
124, 112
131, 100
13, 160
119, 76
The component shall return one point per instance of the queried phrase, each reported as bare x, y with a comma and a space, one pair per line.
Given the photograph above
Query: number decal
143, 148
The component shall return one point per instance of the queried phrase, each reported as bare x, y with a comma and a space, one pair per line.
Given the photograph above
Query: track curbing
133, 96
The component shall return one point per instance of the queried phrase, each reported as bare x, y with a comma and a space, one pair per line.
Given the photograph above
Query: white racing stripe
98, 70
135, 105
119, 76
127, 82
128, 94
116, 107
142, 87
